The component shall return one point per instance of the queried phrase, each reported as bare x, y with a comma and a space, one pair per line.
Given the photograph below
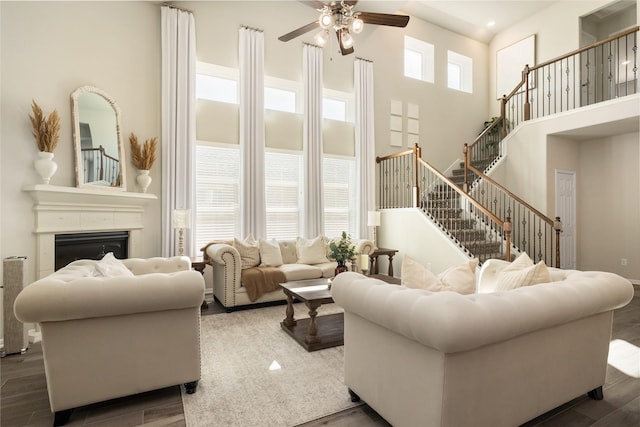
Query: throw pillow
461, 278
110, 266
517, 277
415, 275
270, 254
249, 253
311, 251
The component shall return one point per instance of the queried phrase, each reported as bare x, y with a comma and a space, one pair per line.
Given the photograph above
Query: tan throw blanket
260, 280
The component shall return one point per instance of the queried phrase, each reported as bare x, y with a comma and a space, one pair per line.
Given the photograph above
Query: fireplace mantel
78, 210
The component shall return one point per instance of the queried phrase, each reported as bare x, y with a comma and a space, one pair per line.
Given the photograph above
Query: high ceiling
469, 18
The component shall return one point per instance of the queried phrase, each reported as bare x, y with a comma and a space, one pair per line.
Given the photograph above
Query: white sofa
107, 337
226, 265
487, 359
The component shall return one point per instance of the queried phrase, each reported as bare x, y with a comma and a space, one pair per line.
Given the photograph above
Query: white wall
48, 49
413, 234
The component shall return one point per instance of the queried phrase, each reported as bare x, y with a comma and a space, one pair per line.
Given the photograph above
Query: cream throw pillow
512, 278
110, 266
249, 252
415, 275
270, 254
460, 279
311, 251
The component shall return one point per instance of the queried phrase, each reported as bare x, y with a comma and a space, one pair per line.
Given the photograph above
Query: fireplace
80, 211
70, 247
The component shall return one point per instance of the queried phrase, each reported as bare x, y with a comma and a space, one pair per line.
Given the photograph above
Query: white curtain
251, 59
365, 143
178, 122
312, 141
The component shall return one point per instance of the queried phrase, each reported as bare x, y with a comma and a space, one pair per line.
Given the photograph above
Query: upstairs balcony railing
602, 71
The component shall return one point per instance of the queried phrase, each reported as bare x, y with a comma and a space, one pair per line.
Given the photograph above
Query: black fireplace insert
71, 247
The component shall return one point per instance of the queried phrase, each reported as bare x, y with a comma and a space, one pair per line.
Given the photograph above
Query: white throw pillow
461, 278
110, 266
249, 253
270, 254
525, 276
311, 251
415, 275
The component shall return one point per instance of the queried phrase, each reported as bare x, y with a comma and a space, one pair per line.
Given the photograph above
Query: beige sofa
107, 337
489, 359
227, 270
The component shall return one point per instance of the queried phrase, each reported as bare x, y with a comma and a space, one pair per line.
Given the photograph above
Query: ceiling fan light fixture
356, 25
345, 39
326, 20
322, 37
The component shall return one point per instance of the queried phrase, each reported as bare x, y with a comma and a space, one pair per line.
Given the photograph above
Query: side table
373, 260
199, 265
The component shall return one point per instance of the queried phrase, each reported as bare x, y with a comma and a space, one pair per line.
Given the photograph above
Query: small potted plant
342, 251
46, 131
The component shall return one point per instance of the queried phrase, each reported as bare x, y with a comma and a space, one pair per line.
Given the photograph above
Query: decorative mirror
99, 151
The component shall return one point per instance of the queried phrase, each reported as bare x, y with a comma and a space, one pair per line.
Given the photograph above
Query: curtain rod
364, 59
251, 28
176, 7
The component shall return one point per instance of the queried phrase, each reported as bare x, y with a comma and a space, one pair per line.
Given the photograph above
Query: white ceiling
469, 18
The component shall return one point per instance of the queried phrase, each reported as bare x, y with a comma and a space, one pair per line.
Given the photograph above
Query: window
459, 72
339, 180
334, 109
418, 59
217, 192
279, 99
283, 182
216, 83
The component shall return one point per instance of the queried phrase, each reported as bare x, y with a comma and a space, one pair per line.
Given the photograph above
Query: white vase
143, 179
45, 166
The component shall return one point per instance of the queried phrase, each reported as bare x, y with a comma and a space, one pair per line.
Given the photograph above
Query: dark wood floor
25, 401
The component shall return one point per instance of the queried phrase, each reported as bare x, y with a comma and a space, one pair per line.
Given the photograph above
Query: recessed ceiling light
491, 23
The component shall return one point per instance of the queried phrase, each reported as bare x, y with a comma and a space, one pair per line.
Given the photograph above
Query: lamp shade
182, 218
373, 219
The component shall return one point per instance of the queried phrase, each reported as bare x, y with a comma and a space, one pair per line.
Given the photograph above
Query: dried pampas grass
45, 130
143, 156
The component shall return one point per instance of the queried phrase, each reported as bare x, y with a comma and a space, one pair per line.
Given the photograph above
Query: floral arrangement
45, 130
342, 250
143, 156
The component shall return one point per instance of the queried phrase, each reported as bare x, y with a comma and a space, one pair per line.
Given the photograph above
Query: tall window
217, 193
418, 59
283, 183
459, 72
339, 179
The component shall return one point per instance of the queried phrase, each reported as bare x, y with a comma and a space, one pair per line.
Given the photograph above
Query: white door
566, 210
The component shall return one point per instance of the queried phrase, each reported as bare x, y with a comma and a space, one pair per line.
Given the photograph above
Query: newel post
557, 225
467, 162
527, 105
417, 154
506, 226
503, 115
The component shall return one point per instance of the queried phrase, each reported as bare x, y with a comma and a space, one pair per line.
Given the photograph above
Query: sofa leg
191, 387
596, 394
60, 418
354, 396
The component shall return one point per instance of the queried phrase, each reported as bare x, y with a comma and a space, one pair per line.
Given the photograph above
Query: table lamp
373, 221
181, 220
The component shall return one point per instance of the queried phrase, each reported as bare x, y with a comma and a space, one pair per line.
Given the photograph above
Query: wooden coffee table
315, 332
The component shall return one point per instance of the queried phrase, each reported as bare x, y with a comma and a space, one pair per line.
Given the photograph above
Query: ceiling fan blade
316, 4
384, 19
351, 3
300, 31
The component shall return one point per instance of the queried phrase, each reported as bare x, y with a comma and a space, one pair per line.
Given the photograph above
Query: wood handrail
513, 196
393, 156
487, 130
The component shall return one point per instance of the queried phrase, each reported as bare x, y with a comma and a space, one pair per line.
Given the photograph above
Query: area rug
255, 374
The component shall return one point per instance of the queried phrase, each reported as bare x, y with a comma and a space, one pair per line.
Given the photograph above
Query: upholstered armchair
132, 330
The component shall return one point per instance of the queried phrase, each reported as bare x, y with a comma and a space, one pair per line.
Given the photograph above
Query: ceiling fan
340, 16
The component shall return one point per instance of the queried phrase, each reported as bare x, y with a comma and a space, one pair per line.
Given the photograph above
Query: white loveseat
226, 264
490, 359
107, 337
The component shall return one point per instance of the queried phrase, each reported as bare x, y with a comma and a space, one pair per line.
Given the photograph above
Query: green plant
342, 250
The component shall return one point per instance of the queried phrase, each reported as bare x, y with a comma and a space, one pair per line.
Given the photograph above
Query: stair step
445, 212
470, 235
